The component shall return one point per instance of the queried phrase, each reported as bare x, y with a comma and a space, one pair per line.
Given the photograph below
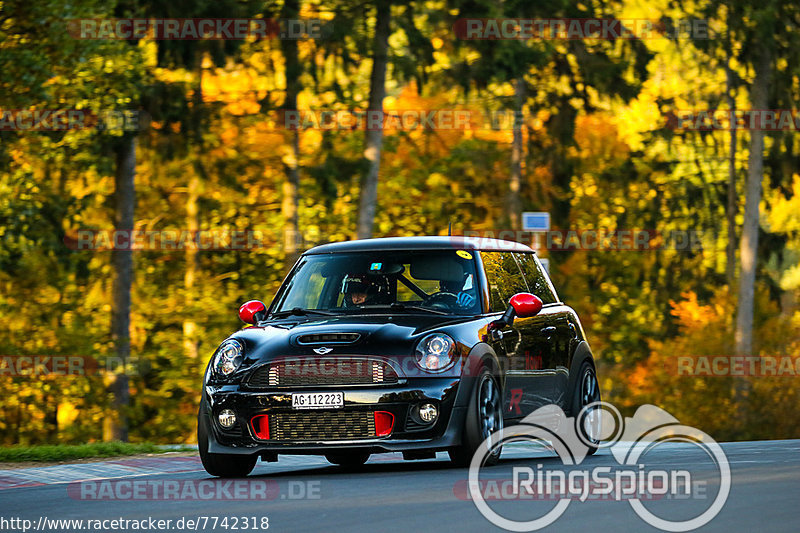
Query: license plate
317, 400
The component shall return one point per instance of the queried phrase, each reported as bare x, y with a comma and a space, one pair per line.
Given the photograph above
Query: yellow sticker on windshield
464, 254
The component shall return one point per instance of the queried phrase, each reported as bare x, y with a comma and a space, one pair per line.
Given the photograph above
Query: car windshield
441, 281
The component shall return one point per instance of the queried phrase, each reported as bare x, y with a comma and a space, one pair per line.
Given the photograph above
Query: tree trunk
290, 204
730, 213
51, 417
116, 426
193, 191
513, 200
374, 134
749, 242
190, 341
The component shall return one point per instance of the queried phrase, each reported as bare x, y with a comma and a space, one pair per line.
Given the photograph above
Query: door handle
573, 330
549, 330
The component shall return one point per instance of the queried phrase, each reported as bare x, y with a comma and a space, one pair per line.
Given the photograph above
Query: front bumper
447, 393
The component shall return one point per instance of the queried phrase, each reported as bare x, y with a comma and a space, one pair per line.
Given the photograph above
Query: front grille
328, 338
316, 372
337, 425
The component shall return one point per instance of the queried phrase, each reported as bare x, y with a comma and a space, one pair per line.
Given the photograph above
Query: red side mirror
525, 304
252, 311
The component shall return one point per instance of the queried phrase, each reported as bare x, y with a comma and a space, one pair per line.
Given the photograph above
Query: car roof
456, 242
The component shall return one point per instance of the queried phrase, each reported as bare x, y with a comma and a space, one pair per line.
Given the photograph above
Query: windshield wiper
419, 308
299, 311
404, 307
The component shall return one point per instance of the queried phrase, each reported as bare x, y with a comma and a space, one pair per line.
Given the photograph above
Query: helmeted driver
355, 291
462, 290
363, 290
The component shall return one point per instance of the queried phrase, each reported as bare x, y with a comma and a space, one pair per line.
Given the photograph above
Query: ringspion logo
600, 426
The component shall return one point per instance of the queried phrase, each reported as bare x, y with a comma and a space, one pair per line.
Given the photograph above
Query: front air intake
328, 338
323, 372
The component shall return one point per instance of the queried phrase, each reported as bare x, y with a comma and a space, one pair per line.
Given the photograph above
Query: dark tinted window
536, 277
504, 277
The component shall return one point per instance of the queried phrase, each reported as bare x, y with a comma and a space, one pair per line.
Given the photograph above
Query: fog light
428, 413
227, 418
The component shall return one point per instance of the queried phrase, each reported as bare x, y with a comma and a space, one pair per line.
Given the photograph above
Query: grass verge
66, 452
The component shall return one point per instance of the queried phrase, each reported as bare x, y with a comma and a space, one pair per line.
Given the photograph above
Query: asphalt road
388, 494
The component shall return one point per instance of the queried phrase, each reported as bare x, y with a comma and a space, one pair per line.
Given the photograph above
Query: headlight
228, 357
435, 352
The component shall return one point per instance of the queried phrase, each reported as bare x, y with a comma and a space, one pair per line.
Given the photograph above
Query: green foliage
54, 453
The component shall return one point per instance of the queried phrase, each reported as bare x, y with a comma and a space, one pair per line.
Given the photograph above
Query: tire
221, 464
347, 459
484, 417
587, 391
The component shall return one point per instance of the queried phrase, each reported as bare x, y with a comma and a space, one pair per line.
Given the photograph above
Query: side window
537, 279
504, 277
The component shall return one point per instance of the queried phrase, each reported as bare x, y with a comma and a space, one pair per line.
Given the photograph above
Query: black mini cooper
412, 345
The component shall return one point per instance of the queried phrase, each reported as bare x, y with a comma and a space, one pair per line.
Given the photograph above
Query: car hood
380, 335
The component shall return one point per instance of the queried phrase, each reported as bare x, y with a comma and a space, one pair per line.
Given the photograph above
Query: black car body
429, 356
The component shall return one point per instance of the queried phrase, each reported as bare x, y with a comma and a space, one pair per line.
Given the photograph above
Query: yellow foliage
598, 139
67, 414
783, 215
